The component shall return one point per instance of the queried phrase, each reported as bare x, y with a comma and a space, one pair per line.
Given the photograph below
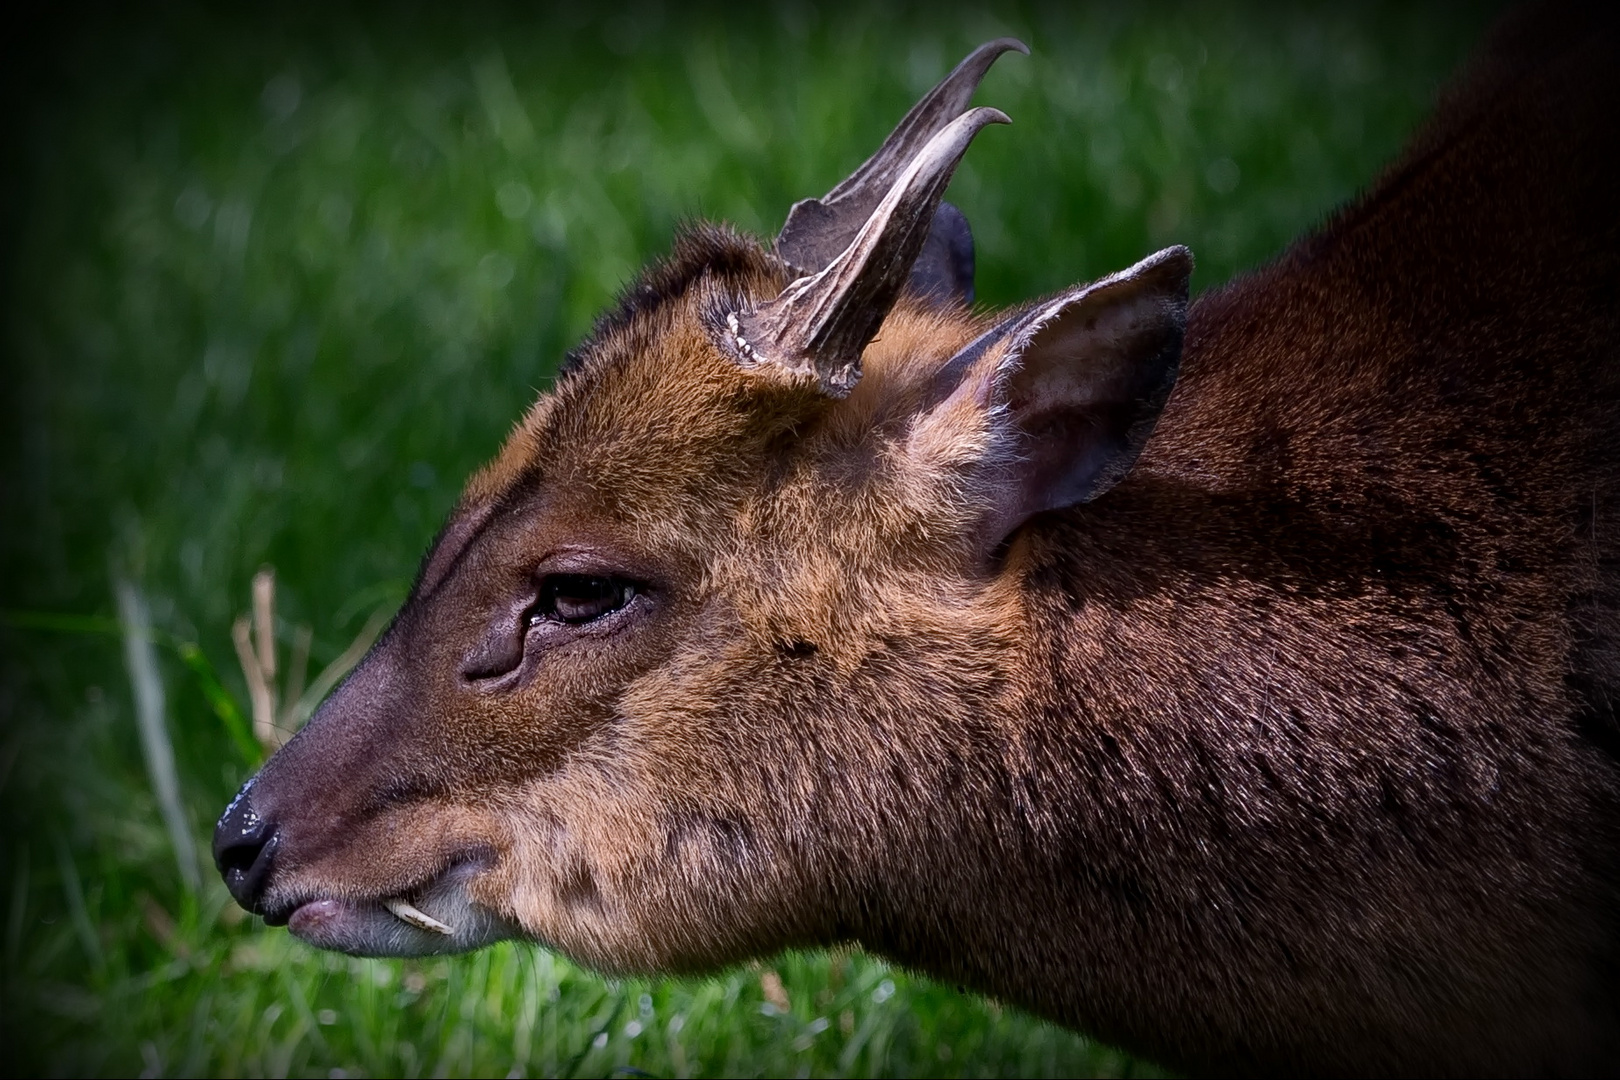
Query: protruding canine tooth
416, 917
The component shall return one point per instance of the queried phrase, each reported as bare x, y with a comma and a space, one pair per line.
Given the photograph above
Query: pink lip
343, 925
317, 917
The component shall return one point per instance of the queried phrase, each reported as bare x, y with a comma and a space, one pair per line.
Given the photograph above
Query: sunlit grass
280, 284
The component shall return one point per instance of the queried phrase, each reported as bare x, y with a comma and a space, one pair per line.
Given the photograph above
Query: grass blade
78, 911
221, 701
140, 657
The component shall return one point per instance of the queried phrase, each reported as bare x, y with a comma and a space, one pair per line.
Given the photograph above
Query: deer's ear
1054, 405
944, 271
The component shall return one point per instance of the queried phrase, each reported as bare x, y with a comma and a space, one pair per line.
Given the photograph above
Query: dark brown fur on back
1364, 578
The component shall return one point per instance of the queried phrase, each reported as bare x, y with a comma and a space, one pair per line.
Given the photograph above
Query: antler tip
986, 54
985, 114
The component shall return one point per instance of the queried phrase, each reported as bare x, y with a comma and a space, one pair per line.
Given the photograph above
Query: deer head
718, 654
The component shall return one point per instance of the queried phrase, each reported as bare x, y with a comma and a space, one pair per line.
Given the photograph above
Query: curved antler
818, 230
821, 324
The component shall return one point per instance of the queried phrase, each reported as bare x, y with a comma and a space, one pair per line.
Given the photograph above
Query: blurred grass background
276, 282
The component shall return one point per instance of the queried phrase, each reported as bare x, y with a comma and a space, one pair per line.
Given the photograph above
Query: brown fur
1294, 752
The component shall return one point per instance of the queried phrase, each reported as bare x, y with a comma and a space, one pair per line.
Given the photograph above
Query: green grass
277, 285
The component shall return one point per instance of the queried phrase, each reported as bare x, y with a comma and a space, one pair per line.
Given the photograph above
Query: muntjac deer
1234, 681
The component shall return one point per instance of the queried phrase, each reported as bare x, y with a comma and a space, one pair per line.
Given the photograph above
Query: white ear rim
1033, 323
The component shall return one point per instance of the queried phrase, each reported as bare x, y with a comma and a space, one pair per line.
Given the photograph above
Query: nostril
240, 856
244, 842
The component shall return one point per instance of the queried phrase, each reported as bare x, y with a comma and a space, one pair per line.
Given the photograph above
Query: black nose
244, 845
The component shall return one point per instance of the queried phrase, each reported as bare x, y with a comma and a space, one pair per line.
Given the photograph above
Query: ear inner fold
1065, 407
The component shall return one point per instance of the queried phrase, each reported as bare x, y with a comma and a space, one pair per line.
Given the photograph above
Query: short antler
821, 324
818, 230
857, 246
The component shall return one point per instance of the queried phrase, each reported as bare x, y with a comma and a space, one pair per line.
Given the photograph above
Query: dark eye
576, 599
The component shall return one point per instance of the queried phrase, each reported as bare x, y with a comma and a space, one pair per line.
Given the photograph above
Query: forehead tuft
704, 254
642, 330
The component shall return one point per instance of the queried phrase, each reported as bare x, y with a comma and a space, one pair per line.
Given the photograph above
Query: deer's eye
576, 599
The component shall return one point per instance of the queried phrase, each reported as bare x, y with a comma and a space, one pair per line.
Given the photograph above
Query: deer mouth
436, 917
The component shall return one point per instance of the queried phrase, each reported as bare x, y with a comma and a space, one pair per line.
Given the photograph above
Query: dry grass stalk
261, 696
277, 715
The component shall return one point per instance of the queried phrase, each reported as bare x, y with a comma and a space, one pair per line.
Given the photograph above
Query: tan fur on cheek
578, 868
652, 857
